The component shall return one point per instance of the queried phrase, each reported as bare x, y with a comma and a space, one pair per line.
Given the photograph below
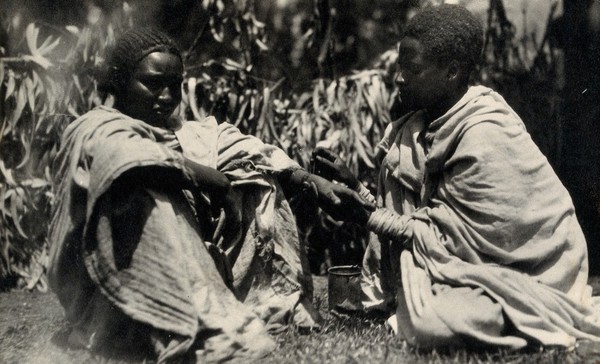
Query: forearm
189, 175
161, 178
206, 179
390, 225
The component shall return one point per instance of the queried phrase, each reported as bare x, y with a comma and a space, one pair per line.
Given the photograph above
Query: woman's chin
159, 119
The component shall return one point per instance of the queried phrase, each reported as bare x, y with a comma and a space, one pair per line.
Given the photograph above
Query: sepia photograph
299, 181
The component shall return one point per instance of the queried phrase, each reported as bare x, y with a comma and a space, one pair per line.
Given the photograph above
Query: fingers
324, 153
312, 188
326, 162
220, 225
370, 206
324, 168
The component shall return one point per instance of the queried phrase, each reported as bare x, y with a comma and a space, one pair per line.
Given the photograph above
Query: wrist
298, 177
390, 225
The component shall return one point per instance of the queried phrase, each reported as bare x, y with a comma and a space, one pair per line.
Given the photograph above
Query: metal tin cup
343, 285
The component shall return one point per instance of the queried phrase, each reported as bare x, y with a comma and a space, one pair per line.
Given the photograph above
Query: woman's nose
399, 79
166, 94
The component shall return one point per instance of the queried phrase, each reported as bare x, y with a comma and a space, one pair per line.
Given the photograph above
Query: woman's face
154, 90
421, 82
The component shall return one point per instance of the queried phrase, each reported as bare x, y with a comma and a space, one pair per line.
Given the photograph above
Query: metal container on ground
343, 287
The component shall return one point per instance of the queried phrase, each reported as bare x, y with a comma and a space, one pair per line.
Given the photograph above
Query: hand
211, 182
340, 202
328, 165
229, 222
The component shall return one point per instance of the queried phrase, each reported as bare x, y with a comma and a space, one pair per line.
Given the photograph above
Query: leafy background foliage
308, 73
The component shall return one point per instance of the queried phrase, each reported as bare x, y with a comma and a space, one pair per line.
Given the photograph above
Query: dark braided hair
448, 32
130, 48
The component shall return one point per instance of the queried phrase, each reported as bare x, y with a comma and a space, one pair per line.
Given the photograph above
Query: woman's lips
163, 111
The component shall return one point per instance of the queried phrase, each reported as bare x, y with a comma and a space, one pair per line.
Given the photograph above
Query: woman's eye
409, 69
152, 84
413, 70
176, 84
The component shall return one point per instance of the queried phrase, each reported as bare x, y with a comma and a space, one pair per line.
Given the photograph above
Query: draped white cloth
485, 244
140, 262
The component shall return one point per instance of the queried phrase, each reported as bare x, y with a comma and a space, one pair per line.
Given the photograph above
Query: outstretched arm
327, 164
337, 200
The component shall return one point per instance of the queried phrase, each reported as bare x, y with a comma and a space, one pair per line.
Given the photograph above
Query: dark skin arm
328, 165
336, 200
163, 178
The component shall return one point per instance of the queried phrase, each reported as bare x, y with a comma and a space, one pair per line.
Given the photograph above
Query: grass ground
32, 330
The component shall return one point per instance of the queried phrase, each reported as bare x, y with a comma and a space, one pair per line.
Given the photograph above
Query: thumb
333, 198
312, 188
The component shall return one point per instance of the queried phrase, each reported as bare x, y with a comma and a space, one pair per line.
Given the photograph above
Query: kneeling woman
136, 256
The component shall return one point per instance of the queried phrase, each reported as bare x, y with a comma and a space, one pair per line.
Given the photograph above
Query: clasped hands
218, 187
340, 202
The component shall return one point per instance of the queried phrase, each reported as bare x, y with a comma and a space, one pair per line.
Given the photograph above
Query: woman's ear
454, 70
116, 79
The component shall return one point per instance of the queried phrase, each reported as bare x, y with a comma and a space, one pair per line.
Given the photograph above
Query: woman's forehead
410, 48
160, 62
410, 44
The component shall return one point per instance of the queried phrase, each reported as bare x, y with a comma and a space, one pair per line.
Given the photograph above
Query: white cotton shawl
171, 282
494, 215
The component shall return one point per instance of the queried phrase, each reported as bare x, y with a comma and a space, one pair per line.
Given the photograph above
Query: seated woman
175, 234
476, 239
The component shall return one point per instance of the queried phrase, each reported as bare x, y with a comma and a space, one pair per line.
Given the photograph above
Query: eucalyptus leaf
2, 72
21, 101
15, 202
10, 86
30, 93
